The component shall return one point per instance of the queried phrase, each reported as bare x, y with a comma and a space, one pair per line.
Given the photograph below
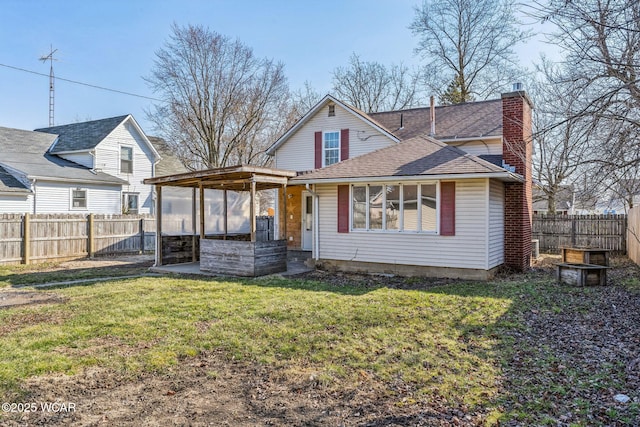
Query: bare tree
372, 87
468, 45
563, 147
304, 99
222, 105
601, 43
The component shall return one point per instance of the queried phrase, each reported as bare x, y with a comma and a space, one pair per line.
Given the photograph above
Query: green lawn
450, 342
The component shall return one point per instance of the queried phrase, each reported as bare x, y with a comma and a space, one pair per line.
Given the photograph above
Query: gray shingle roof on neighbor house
419, 156
82, 136
9, 184
25, 151
467, 120
169, 164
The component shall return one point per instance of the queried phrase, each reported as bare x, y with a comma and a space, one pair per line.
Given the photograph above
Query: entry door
307, 221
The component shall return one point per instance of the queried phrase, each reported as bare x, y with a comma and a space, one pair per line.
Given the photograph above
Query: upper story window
331, 148
332, 110
126, 160
78, 198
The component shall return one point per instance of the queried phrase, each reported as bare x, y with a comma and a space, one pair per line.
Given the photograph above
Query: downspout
316, 220
35, 192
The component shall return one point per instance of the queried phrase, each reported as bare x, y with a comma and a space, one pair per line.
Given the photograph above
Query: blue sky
111, 43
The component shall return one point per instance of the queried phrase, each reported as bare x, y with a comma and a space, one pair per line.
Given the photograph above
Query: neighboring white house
440, 191
89, 167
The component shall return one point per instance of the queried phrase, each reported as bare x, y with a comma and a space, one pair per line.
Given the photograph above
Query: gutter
316, 221
469, 138
505, 176
80, 181
35, 196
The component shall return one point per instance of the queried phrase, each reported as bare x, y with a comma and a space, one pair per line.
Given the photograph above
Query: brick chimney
517, 152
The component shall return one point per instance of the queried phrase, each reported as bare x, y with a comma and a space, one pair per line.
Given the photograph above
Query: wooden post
158, 225
202, 234
142, 235
194, 226
26, 235
252, 210
91, 249
284, 209
225, 220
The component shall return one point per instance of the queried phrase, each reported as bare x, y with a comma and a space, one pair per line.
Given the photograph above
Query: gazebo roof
235, 178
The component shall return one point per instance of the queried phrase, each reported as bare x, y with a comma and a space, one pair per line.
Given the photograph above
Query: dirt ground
10, 297
211, 390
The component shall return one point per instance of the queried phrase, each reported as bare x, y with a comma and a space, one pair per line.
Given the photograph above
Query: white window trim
120, 159
86, 199
400, 229
125, 196
324, 157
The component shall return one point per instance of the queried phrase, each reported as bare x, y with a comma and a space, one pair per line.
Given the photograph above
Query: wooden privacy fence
593, 231
633, 235
47, 237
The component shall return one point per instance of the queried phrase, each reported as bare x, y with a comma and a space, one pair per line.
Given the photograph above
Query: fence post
91, 242
142, 235
573, 231
26, 237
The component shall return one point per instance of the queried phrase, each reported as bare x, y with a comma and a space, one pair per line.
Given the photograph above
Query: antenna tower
50, 58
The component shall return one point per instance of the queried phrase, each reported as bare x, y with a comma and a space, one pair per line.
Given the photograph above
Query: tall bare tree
373, 87
601, 39
468, 46
563, 146
222, 105
601, 42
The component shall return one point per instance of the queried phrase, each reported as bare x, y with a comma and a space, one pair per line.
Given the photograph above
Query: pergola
252, 256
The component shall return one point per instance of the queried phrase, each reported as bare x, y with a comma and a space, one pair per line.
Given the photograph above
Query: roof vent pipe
401, 121
517, 87
432, 113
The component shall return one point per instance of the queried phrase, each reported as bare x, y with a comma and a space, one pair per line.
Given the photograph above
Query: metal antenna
50, 58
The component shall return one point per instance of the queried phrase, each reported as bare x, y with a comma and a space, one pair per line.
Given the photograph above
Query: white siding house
297, 151
89, 167
419, 191
410, 248
462, 237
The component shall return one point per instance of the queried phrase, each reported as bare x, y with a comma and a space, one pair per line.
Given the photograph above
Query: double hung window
78, 198
126, 159
331, 148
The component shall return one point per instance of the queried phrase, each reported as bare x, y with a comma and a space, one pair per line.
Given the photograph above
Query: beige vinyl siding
54, 197
467, 249
108, 160
480, 147
298, 152
84, 159
496, 223
16, 203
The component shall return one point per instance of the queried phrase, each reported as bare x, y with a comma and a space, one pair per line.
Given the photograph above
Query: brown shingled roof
419, 156
471, 119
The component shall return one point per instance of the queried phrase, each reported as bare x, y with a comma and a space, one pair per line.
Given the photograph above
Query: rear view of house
442, 191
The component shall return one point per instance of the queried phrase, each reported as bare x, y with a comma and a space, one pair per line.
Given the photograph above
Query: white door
307, 221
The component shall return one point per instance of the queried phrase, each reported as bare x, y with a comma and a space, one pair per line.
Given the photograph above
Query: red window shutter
447, 208
344, 144
343, 208
318, 149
